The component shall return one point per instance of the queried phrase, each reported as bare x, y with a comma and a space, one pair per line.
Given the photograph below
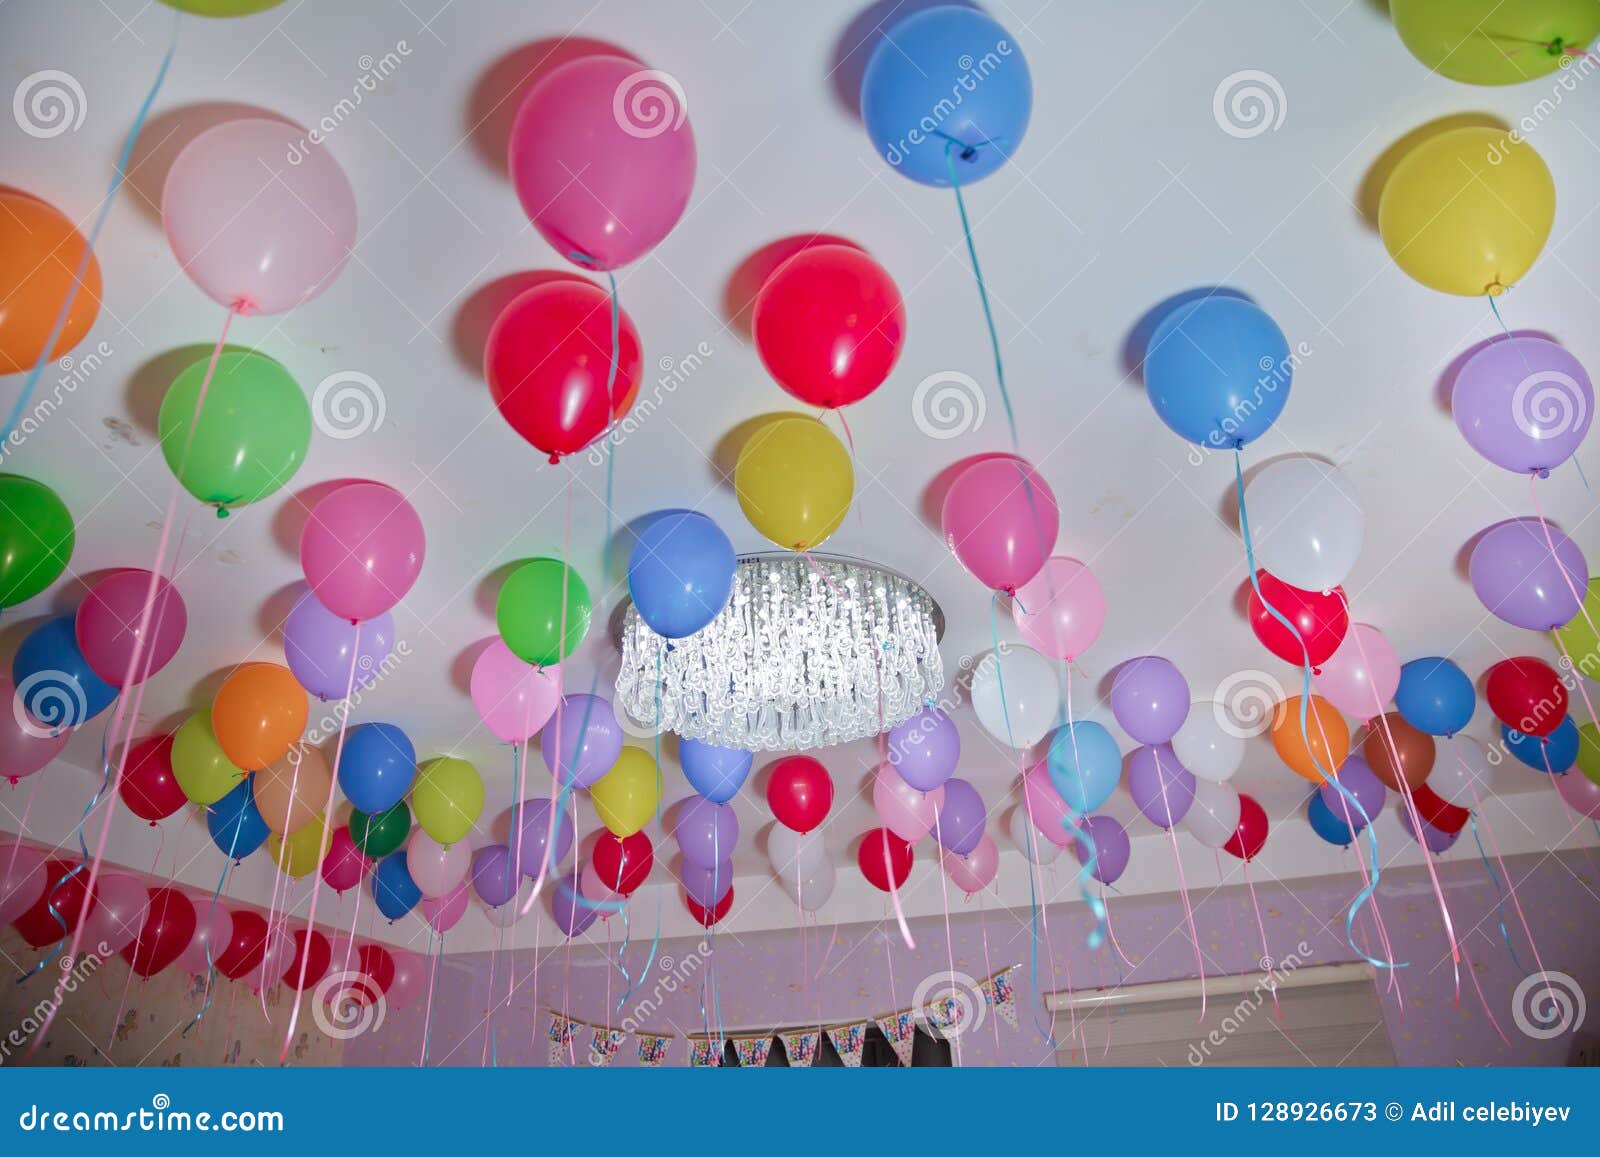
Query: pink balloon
1580, 792
514, 699
258, 216
976, 870
594, 890
1000, 519
108, 621
1044, 805
275, 959
1061, 609
410, 978
904, 810
22, 879
446, 912
603, 159
342, 956
113, 921
212, 926
1362, 675
26, 745
362, 549
436, 869
344, 866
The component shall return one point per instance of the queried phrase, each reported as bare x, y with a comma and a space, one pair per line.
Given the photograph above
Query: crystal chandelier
811, 650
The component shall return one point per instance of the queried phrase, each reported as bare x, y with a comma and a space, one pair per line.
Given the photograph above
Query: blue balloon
1218, 371
680, 573
1327, 825
715, 772
376, 766
54, 681
235, 825
1084, 765
946, 88
1555, 753
1435, 696
393, 887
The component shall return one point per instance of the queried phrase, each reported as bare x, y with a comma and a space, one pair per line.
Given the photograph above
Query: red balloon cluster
800, 792
168, 927
315, 959
376, 965
623, 863
69, 897
1251, 834
246, 945
884, 855
1527, 695
709, 916
1320, 617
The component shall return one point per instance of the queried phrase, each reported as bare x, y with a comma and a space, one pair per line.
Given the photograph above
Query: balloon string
1183, 885
983, 291
427, 1013
1095, 900
655, 939
1500, 892
211, 914
118, 175
944, 895
988, 968
1266, 952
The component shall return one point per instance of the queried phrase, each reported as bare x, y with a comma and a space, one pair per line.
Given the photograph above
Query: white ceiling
1125, 192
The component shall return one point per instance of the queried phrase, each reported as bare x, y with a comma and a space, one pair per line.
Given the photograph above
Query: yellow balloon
794, 482
1578, 639
626, 796
1496, 41
1589, 751
1468, 211
301, 851
447, 798
202, 771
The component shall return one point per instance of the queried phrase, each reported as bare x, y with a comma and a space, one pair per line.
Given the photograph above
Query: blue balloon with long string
680, 574
234, 822
54, 682
1327, 825
1435, 696
1084, 765
1554, 753
392, 886
1218, 371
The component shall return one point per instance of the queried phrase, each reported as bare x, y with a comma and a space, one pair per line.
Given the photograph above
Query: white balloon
1214, 816
1460, 774
1032, 695
812, 890
1306, 522
794, 856
1040, 851
1205, 747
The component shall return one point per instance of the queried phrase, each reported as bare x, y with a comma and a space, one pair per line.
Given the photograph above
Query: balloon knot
555, 459
222, 512
968, 152
1494, 289
1543, 472
1556, 47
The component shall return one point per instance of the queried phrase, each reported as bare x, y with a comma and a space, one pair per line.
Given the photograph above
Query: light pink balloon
342, 955
1000, 519
121, 903
108, 621
904, 810
446, 912
1580, 792
257, 215
361, 549
514, 699
410, 978
435, 869
26, 745
1362, 675
212, 926
344, 866
594, 890
22, 878
1061, 609
603, 159
275, 960
1044, 805
976, 870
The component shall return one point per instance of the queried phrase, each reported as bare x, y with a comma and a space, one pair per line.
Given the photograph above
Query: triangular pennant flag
653, 1050
849, 1039
801, 1047
1002, 997
944, 1014
752, 1050
901, 1029
562, 1028
603, 1045
705, 1054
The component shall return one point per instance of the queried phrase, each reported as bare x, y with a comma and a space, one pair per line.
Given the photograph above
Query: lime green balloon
447, 798
1578, 638
299, 853
1495, 41
528, 611
222, 8
380, 833
1589, 751
253, 432
36, 538
202, 771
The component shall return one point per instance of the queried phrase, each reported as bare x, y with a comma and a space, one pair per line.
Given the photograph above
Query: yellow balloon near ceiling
1495, 41
794, 482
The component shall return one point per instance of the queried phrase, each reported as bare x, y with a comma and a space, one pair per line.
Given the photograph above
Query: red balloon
709, 916
829, 325
800, 792
376, 965
246, 945
623, 864
1527, 695
548, 359
38, 927
1251, 834
316, 960
148, 786
881, 848
168, 928
1437, 811
1321, 617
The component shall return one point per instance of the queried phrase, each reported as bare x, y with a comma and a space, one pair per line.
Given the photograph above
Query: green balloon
528, 612
199, 765
36, 538
1589, 751
447, 797
222, 7
253, 432
1492, 41
380, 834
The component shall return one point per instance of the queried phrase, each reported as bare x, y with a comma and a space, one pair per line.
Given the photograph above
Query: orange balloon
259, 712
1415, 749
1329, 740
291, 791
39, 254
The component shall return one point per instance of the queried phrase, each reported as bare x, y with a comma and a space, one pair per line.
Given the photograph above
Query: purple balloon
706, 886
1150, 699
958, 824
530, 831
706, 833
1358, 779
1161, 786
925, 749
1524, 403
494, 877
1111, 848
589, 740
1519, 580
318, 646
571, 911
1432, 838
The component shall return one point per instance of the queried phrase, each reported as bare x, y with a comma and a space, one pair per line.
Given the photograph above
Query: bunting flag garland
901, 1029
752, 1050
653, 1050
943, 1014
1002, 996
562, 1028
849, 1039
801, 1047
603, 1045
705, 1054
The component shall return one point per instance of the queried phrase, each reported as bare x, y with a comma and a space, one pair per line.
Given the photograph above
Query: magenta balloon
1150, 699
1580, 793
1000, 519
1059, 612
530, 835
1162, 787
1520, 581
26, 745
1357, 778
625, 128
22, 879
494, 876
1111, 848
410, 978
925, 749
1044, 806
109, 620
362, 549
445, 912
582, 741
976, 870
213, 925
904, 810
344, 866
1524, 403
514, 699
959, 824
706, 832
114, 919
328, 654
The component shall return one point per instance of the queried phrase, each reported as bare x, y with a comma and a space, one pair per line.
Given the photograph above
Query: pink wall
771, 978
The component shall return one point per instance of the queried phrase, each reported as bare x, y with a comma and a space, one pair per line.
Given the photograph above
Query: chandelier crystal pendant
811, 651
